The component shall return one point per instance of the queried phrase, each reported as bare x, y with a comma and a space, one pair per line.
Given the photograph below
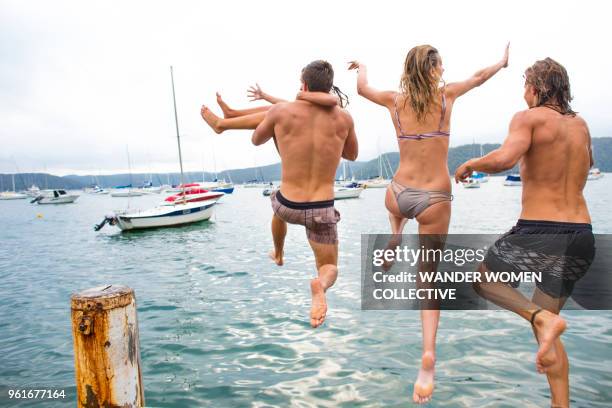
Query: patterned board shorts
319, 217
561, 252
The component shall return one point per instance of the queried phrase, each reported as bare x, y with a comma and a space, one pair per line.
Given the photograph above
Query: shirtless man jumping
311, 139
553, 235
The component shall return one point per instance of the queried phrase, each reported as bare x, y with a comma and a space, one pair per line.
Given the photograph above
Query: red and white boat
191, 204
193, 194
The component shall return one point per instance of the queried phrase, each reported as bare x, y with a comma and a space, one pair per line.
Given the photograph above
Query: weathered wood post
106, 348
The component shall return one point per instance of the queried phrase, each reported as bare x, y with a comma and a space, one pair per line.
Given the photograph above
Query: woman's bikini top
427, 135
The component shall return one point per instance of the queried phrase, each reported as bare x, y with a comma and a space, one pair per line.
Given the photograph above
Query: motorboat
96, 190
471, 182
33, 191
594, 174
55, 197
513, 180
481, 177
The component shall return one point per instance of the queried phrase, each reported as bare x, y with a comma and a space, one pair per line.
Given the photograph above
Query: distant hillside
602, 148
42, 180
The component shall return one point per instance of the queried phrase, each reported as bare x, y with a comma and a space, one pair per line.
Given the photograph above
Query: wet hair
318, 76
419, 82
551, 83
344, 100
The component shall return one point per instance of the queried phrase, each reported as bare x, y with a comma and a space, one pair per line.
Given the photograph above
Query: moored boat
189, 206
594, 174
342, 193
12, 195
377, 182
471, 182
55, 197
513, 180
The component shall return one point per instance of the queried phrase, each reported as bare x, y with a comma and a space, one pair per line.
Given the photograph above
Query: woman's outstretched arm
319, 98
456, 89
255, 93
384, 98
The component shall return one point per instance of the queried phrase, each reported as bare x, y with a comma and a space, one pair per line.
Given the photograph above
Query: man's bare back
311, 140
555, 168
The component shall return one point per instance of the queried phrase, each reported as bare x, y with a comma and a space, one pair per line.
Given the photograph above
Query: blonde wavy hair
420, 82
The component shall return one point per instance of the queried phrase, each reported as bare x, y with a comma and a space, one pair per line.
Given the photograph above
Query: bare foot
227, 111
210, 118
424, 384
277, 259
319, 304
548, 327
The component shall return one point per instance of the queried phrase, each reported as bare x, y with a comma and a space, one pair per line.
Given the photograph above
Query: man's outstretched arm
265, 130
505, 157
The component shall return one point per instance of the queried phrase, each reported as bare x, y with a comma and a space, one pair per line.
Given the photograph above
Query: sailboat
180, 211
380, 181
127, 191
12, 195
346, 188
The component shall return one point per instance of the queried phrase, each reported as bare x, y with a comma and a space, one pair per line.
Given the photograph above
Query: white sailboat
127, 191
170, 213
380, 181
346, 188
12, 195
342, 193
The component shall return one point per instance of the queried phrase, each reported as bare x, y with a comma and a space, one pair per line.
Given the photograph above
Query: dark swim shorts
319, 217
561, 252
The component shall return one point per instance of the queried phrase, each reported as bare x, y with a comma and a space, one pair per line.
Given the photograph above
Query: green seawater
221, 326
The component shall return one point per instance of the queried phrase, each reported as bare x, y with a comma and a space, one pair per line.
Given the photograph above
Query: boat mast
178, 138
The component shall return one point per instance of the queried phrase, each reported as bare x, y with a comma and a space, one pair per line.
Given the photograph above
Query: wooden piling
106, 348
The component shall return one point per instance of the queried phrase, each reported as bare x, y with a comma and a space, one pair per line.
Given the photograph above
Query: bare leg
433, 227
279, 231
557, 369
233, 113
397, 222
548, 326
326, 256
220, 125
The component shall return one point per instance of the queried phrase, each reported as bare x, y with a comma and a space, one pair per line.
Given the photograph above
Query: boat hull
127, 194
226, 190
13, 196
346, 193
174, 215
58, 200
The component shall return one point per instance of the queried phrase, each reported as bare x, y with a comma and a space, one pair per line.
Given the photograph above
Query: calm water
220, 326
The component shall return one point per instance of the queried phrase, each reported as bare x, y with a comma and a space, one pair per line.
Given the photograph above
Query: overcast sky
80, 81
